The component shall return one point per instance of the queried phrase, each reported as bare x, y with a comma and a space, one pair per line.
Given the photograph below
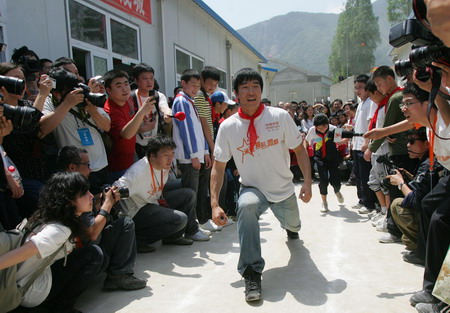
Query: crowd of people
95, 173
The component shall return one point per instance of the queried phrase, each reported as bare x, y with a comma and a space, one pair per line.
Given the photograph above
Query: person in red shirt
124, 121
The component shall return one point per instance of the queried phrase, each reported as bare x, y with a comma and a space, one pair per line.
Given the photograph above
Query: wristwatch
399, 187
104, 213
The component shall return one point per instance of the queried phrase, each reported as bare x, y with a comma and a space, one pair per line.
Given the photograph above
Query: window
223, 79
185, 60
87, 25
124, 40
102, 40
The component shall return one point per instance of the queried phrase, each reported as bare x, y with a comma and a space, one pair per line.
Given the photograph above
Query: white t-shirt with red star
268, 168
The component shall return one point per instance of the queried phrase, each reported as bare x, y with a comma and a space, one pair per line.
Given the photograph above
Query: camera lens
423, 56
12, 85
21, 116
403, 68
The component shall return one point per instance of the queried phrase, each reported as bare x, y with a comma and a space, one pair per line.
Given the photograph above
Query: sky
243, 13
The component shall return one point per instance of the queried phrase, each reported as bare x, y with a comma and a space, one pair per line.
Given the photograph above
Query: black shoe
291, 234
182, 241
413, 259
422, 296
145, 248
252, 285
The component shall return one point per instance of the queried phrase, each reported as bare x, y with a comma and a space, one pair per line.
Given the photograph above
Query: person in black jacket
406, 210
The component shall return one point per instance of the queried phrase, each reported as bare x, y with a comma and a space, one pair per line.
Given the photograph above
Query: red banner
139, 8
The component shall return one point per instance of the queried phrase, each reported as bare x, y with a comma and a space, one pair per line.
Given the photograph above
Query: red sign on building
139, 8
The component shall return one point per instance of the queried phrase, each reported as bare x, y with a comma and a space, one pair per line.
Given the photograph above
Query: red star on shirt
245, 149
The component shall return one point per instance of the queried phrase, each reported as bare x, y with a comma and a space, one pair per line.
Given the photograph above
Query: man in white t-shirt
152, 124
259, 139
362, 167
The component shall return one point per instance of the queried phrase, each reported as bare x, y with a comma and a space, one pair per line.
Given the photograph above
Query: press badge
85, 136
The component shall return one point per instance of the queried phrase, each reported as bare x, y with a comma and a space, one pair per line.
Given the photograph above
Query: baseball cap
220, 96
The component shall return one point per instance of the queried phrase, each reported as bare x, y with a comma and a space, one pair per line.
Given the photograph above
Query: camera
390, 166
427, 47
97, 99
153, 93
20, 116
12, 85
30, 66
124, 192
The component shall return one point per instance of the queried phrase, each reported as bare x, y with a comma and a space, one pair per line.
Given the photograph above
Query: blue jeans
251, 204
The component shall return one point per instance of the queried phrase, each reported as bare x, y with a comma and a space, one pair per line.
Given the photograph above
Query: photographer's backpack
12, 294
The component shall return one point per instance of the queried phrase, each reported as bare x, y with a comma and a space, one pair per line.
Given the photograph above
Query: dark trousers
328, 174
118, 244
362, 170
198, 180
436, 214
69, 281
154, 222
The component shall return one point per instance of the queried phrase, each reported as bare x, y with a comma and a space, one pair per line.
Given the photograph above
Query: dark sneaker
252, 285
145, 248
422, 296
413, 259
182, 241
292, 234
124, 282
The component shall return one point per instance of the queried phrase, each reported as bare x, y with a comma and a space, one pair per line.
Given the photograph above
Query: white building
169, 35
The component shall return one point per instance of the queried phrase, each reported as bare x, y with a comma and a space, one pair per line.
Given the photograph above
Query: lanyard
155, 181
431, 149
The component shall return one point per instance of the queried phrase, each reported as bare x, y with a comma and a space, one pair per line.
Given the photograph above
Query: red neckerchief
324, 146
382, 104
251, 132
182, 94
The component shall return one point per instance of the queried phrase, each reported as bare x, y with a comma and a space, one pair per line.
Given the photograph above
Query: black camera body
97, 99
427, 47
390, 166
124, 192
153, 93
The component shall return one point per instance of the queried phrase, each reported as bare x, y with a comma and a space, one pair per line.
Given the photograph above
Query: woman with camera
22, 145
56, 226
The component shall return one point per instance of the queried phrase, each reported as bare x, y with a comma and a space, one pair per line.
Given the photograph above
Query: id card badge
163, 202
85, 136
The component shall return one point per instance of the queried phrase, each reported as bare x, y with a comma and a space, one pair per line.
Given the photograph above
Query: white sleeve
309, 136
48, 106
163, 105
222, 150
50, 239
103, 113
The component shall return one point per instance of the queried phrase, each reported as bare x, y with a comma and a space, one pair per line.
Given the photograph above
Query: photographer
436, 212
75, 121
29, 61
406, 210
23, 145
153, 123
116, 237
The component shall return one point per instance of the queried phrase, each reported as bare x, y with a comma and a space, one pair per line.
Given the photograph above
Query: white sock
384, 210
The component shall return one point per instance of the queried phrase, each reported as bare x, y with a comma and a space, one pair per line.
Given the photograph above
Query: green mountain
304, 39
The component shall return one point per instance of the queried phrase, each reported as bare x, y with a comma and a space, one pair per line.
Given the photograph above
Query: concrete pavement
336, 266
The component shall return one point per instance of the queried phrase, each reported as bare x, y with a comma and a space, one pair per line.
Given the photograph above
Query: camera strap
84, 119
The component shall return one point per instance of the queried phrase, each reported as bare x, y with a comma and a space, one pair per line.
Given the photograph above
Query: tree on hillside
398, 10
357, 36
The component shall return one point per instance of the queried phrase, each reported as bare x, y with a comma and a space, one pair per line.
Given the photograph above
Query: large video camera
20, 116
97, 99
427, 47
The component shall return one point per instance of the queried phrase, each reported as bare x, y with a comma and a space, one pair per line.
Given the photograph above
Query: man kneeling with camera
159, 214
116, 237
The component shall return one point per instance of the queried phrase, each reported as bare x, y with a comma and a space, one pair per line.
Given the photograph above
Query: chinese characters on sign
139, 8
